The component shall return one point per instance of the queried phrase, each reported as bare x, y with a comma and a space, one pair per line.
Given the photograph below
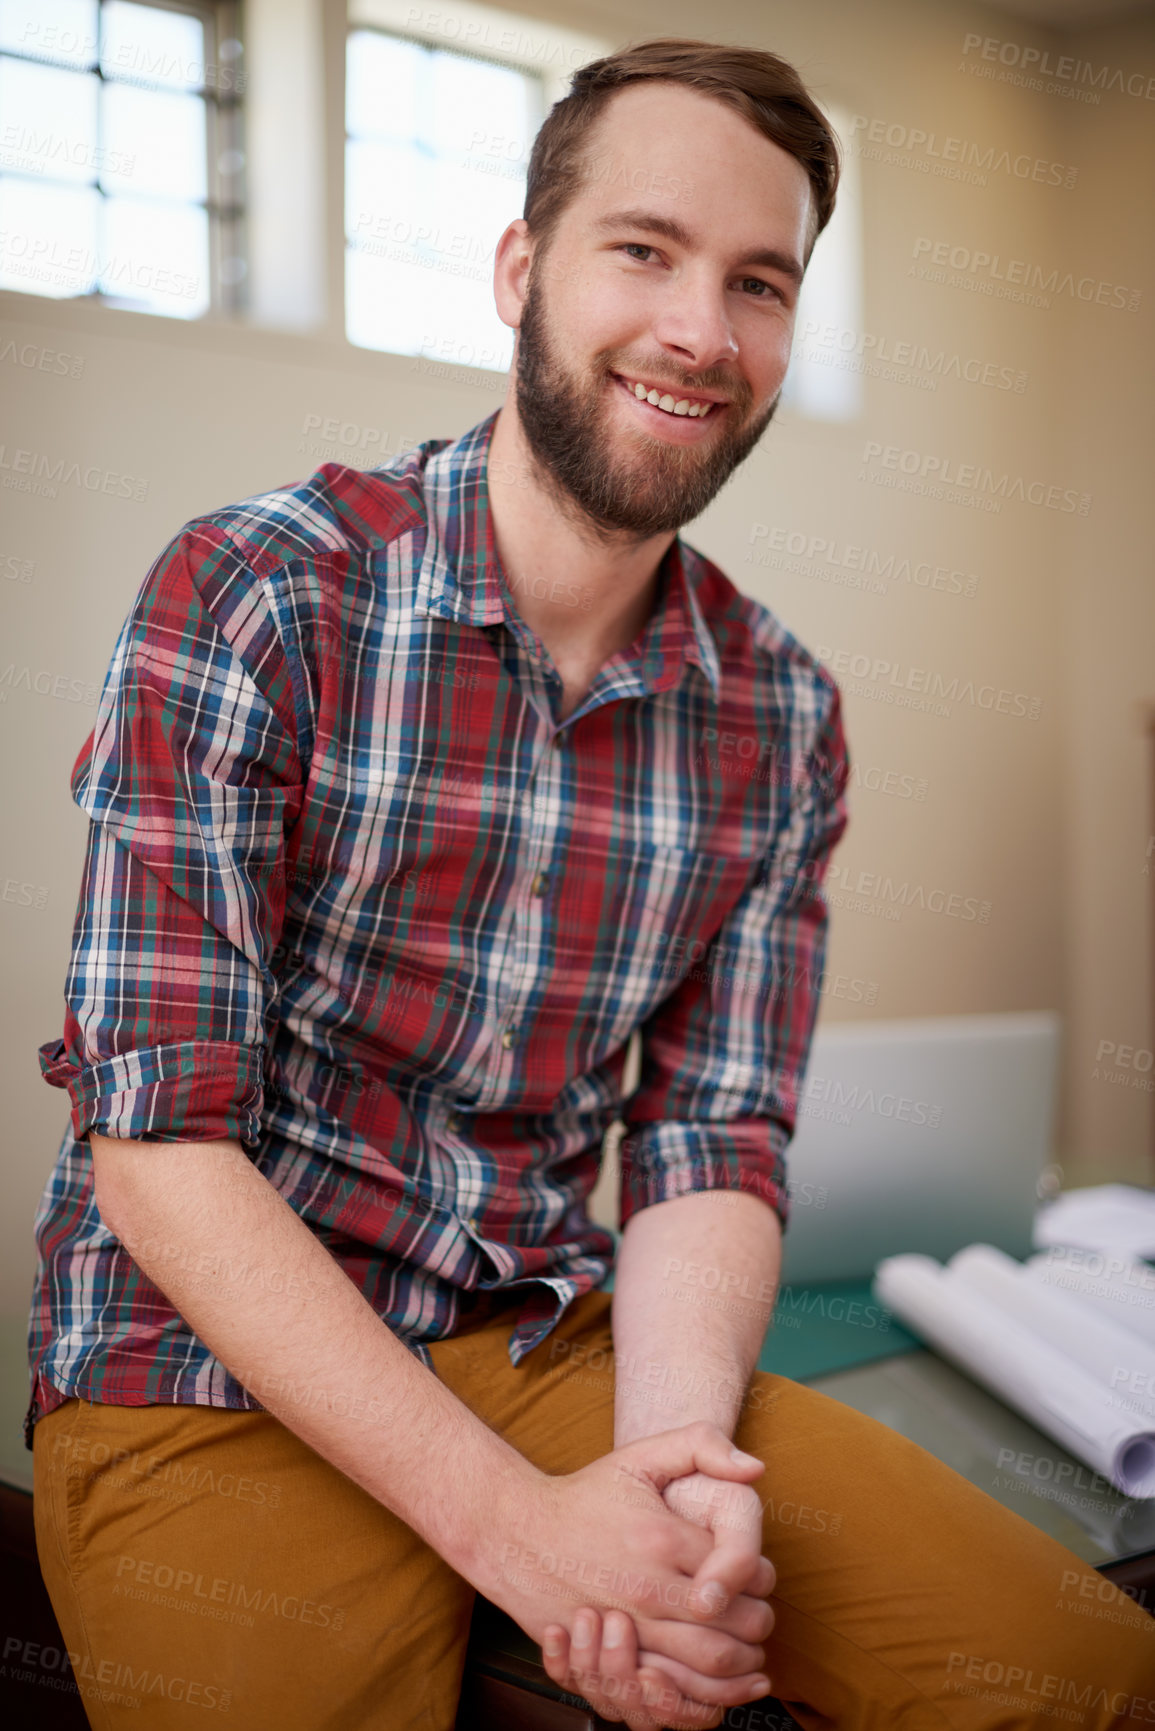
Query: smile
665, 400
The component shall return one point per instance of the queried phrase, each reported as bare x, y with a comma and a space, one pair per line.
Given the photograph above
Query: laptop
923, 1135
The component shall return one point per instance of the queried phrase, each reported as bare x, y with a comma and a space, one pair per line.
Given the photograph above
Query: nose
693, 322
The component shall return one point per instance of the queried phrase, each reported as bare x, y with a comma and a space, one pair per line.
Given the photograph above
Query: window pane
414, 288
424, 216
156, 47
155, 142
60, 30
384, 80
138, 136
156, 257
473, 104
384, 304
48, 238
387, 196
474, 209
48, 122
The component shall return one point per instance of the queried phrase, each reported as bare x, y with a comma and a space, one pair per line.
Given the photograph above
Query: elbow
110, 1186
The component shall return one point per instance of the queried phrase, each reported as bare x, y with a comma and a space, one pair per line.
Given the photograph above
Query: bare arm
693, 1293
694, 1290
199, 1218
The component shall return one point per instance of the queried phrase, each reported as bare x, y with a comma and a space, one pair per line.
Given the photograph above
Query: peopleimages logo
921, 687
817, 551
831, 1092
916, 145
31, 152
1018, 278
1064, 68
843, 341
477, 37
974, 478
875, 892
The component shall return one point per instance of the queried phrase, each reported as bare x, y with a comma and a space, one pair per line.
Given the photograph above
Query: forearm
694, 1290
269, 1300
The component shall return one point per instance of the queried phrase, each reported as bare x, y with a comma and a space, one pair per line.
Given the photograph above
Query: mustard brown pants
208, 1568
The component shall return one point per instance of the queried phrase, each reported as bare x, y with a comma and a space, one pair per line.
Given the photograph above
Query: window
441, 110
825, 378
435, 170
121, 167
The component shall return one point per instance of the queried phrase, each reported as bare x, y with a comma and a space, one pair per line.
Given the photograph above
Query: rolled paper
1115, 1356
1113, 1285
1030, 1374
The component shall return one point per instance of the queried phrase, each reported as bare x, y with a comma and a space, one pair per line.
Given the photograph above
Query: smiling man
411, 794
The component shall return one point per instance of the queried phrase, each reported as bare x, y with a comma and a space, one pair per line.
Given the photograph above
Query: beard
664, 486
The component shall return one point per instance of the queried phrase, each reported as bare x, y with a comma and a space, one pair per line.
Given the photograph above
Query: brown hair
763, 89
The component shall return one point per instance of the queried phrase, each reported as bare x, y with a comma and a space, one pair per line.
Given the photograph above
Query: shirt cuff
188, 1091
661, 1161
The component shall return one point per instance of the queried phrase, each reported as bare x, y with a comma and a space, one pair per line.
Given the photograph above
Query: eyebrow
653, 222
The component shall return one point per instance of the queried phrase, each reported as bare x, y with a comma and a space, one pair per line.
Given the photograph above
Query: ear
511, 264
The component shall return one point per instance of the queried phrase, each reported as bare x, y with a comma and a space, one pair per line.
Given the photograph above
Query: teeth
682, 407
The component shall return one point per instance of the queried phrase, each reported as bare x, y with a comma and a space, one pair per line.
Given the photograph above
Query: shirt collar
460, 572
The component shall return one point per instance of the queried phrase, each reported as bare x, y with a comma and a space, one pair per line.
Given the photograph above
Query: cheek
773, 351
605, 313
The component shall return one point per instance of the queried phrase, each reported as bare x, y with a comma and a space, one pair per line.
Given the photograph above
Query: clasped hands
652, 1556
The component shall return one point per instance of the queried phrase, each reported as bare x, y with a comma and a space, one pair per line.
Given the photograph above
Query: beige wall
1107, 663
1045, 819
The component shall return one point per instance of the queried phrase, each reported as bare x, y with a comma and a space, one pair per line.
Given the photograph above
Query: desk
831, 1338
941, 1409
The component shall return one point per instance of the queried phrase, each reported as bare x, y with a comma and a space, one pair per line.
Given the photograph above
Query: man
413, 794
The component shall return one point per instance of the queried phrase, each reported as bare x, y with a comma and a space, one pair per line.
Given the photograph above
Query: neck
583, 590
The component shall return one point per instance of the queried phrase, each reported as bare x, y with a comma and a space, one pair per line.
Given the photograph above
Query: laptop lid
922, 1135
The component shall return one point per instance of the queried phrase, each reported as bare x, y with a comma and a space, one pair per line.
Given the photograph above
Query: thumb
692, 1448
735, 1565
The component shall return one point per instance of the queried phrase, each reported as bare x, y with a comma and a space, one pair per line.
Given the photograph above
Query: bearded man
413, 794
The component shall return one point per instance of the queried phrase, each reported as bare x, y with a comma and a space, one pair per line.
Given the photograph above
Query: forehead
696, 159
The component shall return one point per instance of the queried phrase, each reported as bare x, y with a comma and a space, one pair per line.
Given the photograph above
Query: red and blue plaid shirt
356, 897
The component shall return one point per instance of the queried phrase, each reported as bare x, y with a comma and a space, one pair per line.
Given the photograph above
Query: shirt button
541, 883
454, 1121
507, 1038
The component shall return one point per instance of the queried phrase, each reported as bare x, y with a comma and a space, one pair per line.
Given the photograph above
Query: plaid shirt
356, 897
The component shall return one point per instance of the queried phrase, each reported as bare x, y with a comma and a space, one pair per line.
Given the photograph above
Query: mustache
657, 367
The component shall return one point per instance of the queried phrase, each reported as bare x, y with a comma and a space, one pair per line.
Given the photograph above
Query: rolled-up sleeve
723, 1056
190, 780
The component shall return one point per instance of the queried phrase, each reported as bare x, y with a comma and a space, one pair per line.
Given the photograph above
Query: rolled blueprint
1114, 1219
1119, 1359
1113, 1286
1034, 1377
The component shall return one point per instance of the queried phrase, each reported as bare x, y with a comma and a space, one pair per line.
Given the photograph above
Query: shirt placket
517, 968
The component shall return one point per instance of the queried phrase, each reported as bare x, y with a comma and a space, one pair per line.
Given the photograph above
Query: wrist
651, 1398
497, 1520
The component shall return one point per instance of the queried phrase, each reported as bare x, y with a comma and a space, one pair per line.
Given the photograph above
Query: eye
635, 247
759, 289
